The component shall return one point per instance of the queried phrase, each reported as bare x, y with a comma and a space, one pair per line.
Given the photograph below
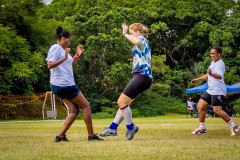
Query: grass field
164, 137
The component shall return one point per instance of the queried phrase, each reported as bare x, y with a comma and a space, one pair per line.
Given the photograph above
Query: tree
182, 27
19, 15
19, 69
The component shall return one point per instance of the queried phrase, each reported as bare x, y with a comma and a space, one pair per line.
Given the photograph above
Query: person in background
195, 108
227, 109
232, 110
62, 83
210, 111
215, 93
190, 105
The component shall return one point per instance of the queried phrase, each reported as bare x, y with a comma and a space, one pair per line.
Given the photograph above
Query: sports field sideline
163, 137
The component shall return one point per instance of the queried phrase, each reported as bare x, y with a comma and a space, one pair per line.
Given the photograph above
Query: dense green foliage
181, 33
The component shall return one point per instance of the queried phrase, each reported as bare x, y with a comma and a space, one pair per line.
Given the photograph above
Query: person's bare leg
124, 100
119, 117
219, 112
82, 102
124, 104
202, 105
74, 110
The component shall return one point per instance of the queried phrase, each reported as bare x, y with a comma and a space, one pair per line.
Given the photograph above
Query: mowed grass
163, 137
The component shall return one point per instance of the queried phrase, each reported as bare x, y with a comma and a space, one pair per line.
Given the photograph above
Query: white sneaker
234, 130
199, 131
108, 132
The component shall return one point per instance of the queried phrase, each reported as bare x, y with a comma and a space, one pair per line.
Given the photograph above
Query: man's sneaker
94, 138
199, 131
58, 139
130, 133
108, 132
234, 130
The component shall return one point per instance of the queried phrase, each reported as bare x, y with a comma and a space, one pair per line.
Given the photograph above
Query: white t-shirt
190, 104
62, 75
217, 86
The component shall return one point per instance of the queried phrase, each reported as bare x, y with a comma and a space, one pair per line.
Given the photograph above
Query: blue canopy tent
204, 87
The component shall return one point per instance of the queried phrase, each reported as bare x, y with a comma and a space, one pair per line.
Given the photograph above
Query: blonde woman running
141, 79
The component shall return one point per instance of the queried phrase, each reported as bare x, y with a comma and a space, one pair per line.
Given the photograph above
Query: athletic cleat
234, 130
199, 131
130, 133
94, 138
108, 132
58, 139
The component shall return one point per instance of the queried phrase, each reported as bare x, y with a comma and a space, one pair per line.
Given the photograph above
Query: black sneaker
64, 138
95, 137
59, 139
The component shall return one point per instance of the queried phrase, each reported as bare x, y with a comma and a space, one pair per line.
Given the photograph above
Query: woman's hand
209, 72
194, 81
125, 28
67, 51
57, 63
79, 50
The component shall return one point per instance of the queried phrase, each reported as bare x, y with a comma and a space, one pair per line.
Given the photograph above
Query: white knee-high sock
127, 114
230, 122
119, 117
202, 124
117, 120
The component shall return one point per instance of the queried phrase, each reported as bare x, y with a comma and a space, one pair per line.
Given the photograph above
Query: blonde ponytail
145, 31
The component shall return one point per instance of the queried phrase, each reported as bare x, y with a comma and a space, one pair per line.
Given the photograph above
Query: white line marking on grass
165, 124
31, 121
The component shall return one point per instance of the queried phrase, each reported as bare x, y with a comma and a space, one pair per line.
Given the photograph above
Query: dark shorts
68, 92
137, 85
214, 100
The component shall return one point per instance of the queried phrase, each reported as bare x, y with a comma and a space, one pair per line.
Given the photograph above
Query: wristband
124, 34
212, 74
76, 56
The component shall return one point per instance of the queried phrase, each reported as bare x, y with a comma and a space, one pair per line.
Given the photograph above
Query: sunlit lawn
163, 137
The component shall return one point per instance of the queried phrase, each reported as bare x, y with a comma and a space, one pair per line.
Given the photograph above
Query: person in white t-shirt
190, 105
215, 93
62, 83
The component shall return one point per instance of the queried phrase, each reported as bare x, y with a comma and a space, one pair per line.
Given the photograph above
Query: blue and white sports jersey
142, 58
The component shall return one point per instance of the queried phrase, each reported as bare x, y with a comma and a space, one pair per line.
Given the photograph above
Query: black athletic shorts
214, 100
68, 92
137, 85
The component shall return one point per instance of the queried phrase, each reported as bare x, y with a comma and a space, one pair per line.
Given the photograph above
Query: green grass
156, 139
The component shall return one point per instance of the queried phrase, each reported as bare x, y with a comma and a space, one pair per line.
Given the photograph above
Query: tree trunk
185, 51
169, 49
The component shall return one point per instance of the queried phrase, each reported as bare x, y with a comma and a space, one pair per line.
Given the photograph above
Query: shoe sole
199, 134
109, 134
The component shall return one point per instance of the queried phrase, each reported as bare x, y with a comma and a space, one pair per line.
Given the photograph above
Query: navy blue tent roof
204, 87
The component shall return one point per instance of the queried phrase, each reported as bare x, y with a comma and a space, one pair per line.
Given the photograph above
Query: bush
100, 115
152, 103
97, 104
236, 105
162, 89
